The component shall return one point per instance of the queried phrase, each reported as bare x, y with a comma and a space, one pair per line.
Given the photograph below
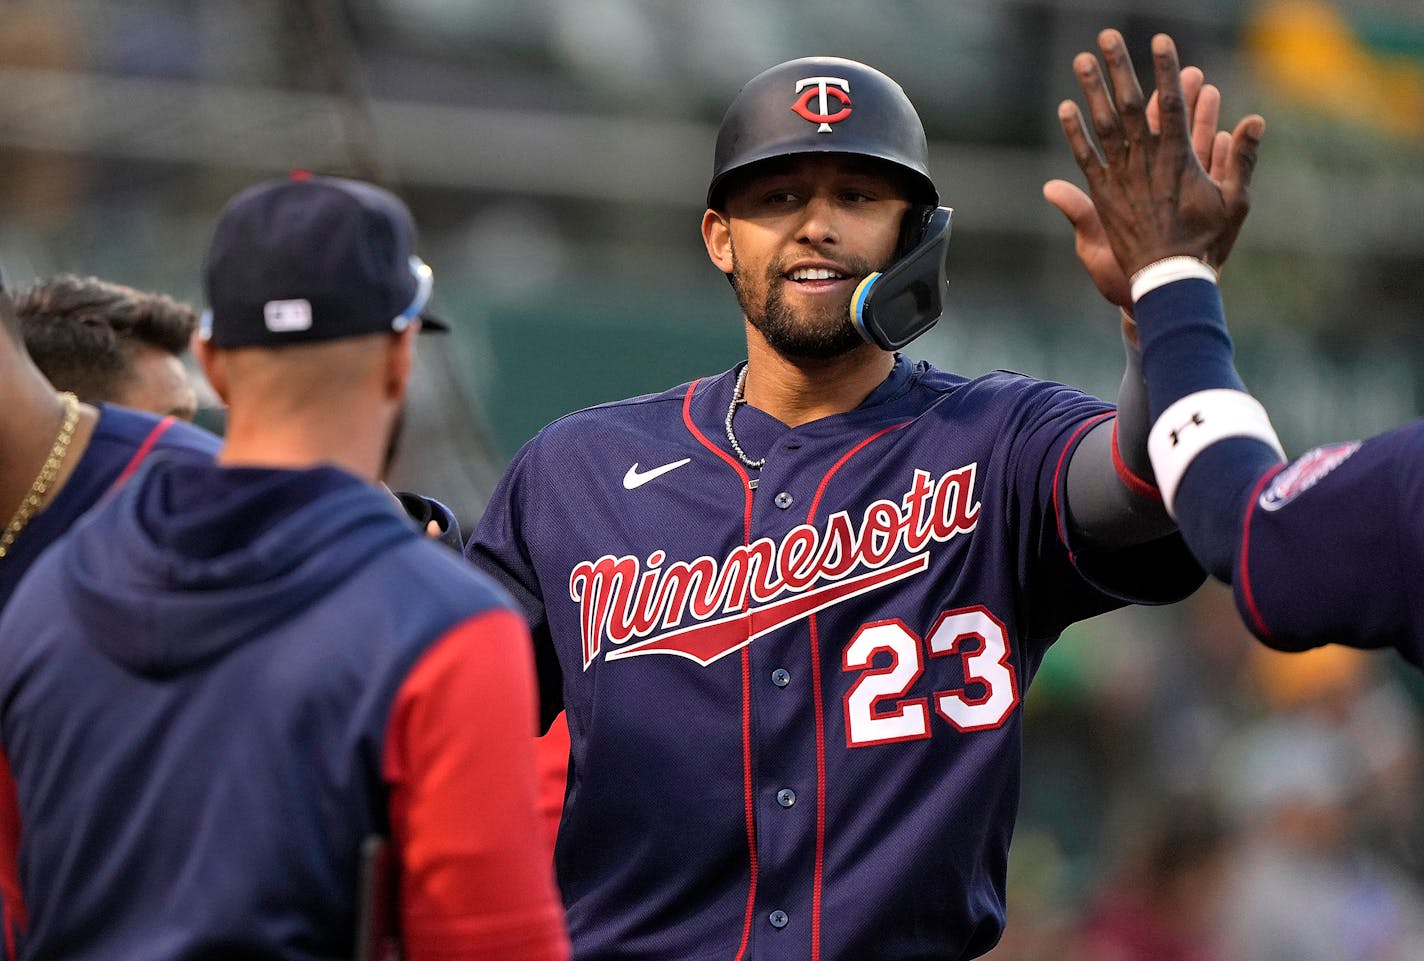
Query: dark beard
825, 333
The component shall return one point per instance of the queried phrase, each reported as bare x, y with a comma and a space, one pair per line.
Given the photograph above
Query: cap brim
433, 323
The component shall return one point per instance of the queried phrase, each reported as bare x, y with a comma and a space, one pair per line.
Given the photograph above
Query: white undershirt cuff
1168, 270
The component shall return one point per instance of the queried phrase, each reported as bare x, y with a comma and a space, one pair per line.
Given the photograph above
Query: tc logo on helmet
823, 89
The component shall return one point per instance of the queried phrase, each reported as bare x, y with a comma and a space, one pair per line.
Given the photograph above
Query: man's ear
214, 367
400, 360
717, 235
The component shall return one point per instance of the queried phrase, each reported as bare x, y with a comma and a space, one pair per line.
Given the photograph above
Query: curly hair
83, 332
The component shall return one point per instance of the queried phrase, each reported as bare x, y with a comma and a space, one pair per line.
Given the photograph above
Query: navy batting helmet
822, 105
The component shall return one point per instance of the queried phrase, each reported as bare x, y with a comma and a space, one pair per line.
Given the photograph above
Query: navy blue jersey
795, 707
1330, 547
121, 439
1320, 550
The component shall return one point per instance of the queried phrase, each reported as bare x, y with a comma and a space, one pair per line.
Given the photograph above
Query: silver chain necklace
738, 399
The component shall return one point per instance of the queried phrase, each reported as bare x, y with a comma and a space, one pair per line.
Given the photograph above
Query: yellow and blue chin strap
857, 303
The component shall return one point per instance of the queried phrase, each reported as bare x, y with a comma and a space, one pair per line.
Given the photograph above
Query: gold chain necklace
47, 474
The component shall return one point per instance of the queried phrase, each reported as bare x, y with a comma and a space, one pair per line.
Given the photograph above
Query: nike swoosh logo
633, 479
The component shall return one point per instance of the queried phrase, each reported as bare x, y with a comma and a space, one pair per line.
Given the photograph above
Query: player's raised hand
1203, 103
1151, 188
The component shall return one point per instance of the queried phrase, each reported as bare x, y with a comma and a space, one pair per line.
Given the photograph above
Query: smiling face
797, 236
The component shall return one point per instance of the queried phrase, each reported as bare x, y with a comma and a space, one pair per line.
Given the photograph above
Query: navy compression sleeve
1186, 349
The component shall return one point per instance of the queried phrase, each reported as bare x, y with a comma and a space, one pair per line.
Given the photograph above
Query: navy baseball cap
309, 258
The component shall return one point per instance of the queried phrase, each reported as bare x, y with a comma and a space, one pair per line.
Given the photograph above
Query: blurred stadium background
1178, 781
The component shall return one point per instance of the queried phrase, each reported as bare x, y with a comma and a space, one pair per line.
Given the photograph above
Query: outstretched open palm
1157, 189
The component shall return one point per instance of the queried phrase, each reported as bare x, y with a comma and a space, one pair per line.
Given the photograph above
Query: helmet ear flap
912, 228
891, 309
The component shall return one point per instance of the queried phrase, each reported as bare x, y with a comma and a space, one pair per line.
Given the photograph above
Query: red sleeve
12, 901
476, 881
551, 752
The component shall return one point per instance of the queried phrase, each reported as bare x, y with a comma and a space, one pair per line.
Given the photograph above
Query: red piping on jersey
736, 466
1072, 445
748, 800
15, 916
1138, 485
158, 431
816, 697
1247, 596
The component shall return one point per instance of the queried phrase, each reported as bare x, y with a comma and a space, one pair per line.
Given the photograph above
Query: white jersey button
783, 500
778, 919
781, 677
786, 797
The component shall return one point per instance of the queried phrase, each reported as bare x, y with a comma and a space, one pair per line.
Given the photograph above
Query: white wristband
1167, 270
1197, 421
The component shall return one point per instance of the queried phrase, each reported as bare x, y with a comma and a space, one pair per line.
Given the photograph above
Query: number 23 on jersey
972, 634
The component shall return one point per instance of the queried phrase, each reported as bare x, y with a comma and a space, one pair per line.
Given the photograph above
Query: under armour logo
1175, 435
823, 89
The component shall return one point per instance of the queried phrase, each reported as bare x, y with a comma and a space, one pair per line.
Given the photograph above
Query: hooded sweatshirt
221, 685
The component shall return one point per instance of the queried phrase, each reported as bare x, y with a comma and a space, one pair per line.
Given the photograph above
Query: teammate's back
205, 785
232, 675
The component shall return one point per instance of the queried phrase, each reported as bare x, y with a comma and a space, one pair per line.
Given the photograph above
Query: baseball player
108, 342
1322, 549
791, 610
62, 455
48, 336
232, 679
